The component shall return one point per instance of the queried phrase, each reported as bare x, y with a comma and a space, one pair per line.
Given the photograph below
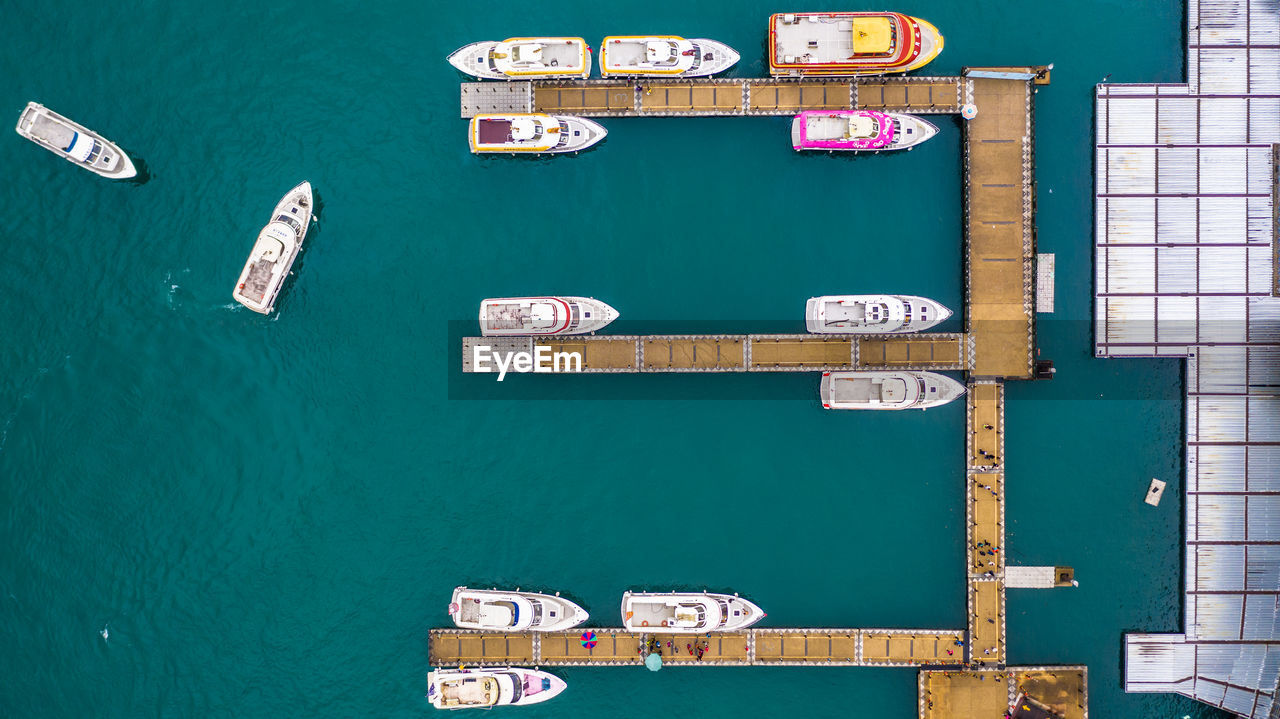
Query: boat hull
879, 390
627, 56
566, 58
528, 316
275, 251
665, 612
825, 44
74, 142
496, 133
908, 313
511, 611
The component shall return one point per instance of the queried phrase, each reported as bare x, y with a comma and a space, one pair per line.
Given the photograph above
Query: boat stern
825, 392
813, 316
797, 132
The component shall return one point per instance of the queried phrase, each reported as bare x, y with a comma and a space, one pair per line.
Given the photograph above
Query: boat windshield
516, 688
297, 227
536, 614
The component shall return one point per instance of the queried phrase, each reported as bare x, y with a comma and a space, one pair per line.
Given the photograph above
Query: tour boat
887, 390
850, 43
74, 142
872, 314
543, 316
663, 56
858, 130
274, 252
533, 132
487, 688
525, 58
496, 610
687, 612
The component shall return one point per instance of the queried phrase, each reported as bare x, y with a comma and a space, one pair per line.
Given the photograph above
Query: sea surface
268, 514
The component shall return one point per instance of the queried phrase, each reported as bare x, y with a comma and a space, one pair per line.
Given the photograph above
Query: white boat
663, 56
543, 316
687, 612
74, 142
274, 252
495, 610
487, 688
525, 58
887, 390
532, 132
872, 314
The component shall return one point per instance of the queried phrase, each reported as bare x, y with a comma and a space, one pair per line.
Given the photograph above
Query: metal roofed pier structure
1186, 203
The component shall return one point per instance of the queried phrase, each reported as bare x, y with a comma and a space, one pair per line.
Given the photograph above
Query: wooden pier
737, 353
710, 97
777, 647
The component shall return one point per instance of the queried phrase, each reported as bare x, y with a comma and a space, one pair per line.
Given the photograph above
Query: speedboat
858, 130
543, 316
887, 390
486, 688
513, 611
274, 252
687, 612
872, 314
849, 43
533, 132
525, 58
74, 142
663, 56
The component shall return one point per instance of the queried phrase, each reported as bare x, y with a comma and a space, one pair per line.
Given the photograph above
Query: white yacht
495, 610
872, 314
525, 58
687, 612
887, 390
532, 132
663, 56
274, 252
543, 316
487, 688
74, 142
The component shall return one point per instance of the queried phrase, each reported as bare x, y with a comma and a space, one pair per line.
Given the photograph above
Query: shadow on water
144, 171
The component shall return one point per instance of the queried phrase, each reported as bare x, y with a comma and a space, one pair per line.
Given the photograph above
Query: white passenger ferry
663, 56
887, 390
872, 314
525, 58
543, 316
687, 612
273, 254
494, 610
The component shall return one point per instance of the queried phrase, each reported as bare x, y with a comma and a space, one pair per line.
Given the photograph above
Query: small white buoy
1154, 492
106, 632
969, 111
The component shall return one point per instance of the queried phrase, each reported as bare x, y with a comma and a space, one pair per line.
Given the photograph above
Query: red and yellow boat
849, 43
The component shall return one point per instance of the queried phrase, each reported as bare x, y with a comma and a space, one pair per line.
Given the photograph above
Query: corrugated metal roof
1186, 266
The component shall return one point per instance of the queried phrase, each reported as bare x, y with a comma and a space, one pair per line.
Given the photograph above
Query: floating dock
737, 353
712, 97
963, 673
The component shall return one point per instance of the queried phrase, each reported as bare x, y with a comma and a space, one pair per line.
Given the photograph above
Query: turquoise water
269, 513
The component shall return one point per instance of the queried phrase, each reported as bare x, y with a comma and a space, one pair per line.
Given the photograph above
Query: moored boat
525, 58
543, 316
872, 314
532, 132
664, 56
274, 252
687, 612
858, 130
850, 43
74, 142
494, 610
487, 688
887, 390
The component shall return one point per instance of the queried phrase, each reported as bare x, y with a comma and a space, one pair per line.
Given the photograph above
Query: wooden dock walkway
984, 500
740, 353
703, 97
951, 694
776, 647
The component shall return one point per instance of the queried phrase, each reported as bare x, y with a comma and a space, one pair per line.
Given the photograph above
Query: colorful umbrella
588, 639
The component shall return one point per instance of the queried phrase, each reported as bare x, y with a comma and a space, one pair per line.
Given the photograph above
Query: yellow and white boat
532, 132
663, 56
525, 58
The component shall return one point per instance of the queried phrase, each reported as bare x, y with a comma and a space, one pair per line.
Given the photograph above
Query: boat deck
716, 96
743, 353
782, 647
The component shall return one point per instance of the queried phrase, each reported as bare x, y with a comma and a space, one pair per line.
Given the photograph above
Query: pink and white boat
524, 316
858, 130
